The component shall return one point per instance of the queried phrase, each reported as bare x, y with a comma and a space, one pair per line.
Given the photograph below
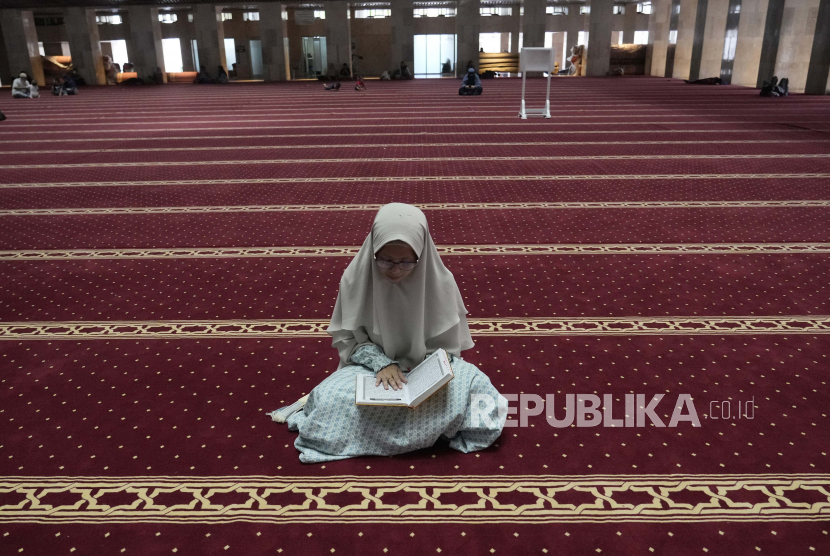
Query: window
557, 10
673, 37
372, 13
488, 11
583, 10
250, 16
190, 18
168, 18
108, 19
119, 51
434, 12
230, 53
226, 16
319, 14
490, 42
640, 37
47, 21
618, 9
434, 55
172, 51
735, 9
644, 8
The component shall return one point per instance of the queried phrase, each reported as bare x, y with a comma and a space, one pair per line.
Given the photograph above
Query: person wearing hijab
21, 88
222, 75
397, 304
471, 84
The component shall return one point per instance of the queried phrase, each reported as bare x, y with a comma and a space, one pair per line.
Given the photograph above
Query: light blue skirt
468, 411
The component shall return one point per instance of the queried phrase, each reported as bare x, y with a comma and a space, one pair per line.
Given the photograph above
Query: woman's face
396, 253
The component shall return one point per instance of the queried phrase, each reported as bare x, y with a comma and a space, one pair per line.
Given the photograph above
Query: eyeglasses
406, 266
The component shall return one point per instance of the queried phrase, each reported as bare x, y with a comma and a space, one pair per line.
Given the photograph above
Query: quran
422, 382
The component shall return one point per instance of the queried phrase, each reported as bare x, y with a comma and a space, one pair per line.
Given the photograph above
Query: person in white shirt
21, 88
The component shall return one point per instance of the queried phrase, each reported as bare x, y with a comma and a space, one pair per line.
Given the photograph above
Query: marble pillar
769, 45
144, 47
795, 46
338, 36
658, 37
697, 41
714, 36
467, 29
515, 27
273, 33
85, 44
750, 41
534, 21
403, 34
20, 45
687, 18
600, 20
818, 70
210, 37
629, 23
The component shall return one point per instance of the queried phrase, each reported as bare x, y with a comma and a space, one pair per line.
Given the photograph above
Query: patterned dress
332, 427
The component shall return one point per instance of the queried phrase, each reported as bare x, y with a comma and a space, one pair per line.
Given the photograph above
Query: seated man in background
21, 88
202, 77
471, 84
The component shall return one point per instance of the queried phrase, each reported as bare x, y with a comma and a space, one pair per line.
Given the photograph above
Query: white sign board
304, 17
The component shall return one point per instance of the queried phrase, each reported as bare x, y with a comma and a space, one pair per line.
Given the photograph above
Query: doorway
172, 51
434, 55
256, 58
315, 58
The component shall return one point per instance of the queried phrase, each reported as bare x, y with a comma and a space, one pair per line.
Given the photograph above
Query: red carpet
171, 255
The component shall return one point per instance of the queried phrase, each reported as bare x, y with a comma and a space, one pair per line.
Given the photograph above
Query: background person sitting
405, 73
34, 91
202, 77
68, 85
471, 84
21, 88
110, 71
222, 76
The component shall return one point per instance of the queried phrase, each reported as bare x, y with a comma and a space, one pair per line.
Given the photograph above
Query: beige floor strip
446, 250
410, 145
26, 128
680, 498
438, 179
422, 206
520, 326
15, 140
568, 158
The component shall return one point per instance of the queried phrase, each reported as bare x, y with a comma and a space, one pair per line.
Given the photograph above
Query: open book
422, 382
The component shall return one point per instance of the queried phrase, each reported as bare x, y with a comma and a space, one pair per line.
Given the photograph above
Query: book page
377, 393
424, 377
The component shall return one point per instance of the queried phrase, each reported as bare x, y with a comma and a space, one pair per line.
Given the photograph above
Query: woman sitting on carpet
471, 84
397, 304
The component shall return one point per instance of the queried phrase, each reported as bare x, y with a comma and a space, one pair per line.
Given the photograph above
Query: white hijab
410, 319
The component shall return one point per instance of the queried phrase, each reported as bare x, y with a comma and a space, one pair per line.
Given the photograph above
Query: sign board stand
536, 59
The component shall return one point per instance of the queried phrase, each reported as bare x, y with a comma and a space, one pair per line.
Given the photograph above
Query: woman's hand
390, 376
